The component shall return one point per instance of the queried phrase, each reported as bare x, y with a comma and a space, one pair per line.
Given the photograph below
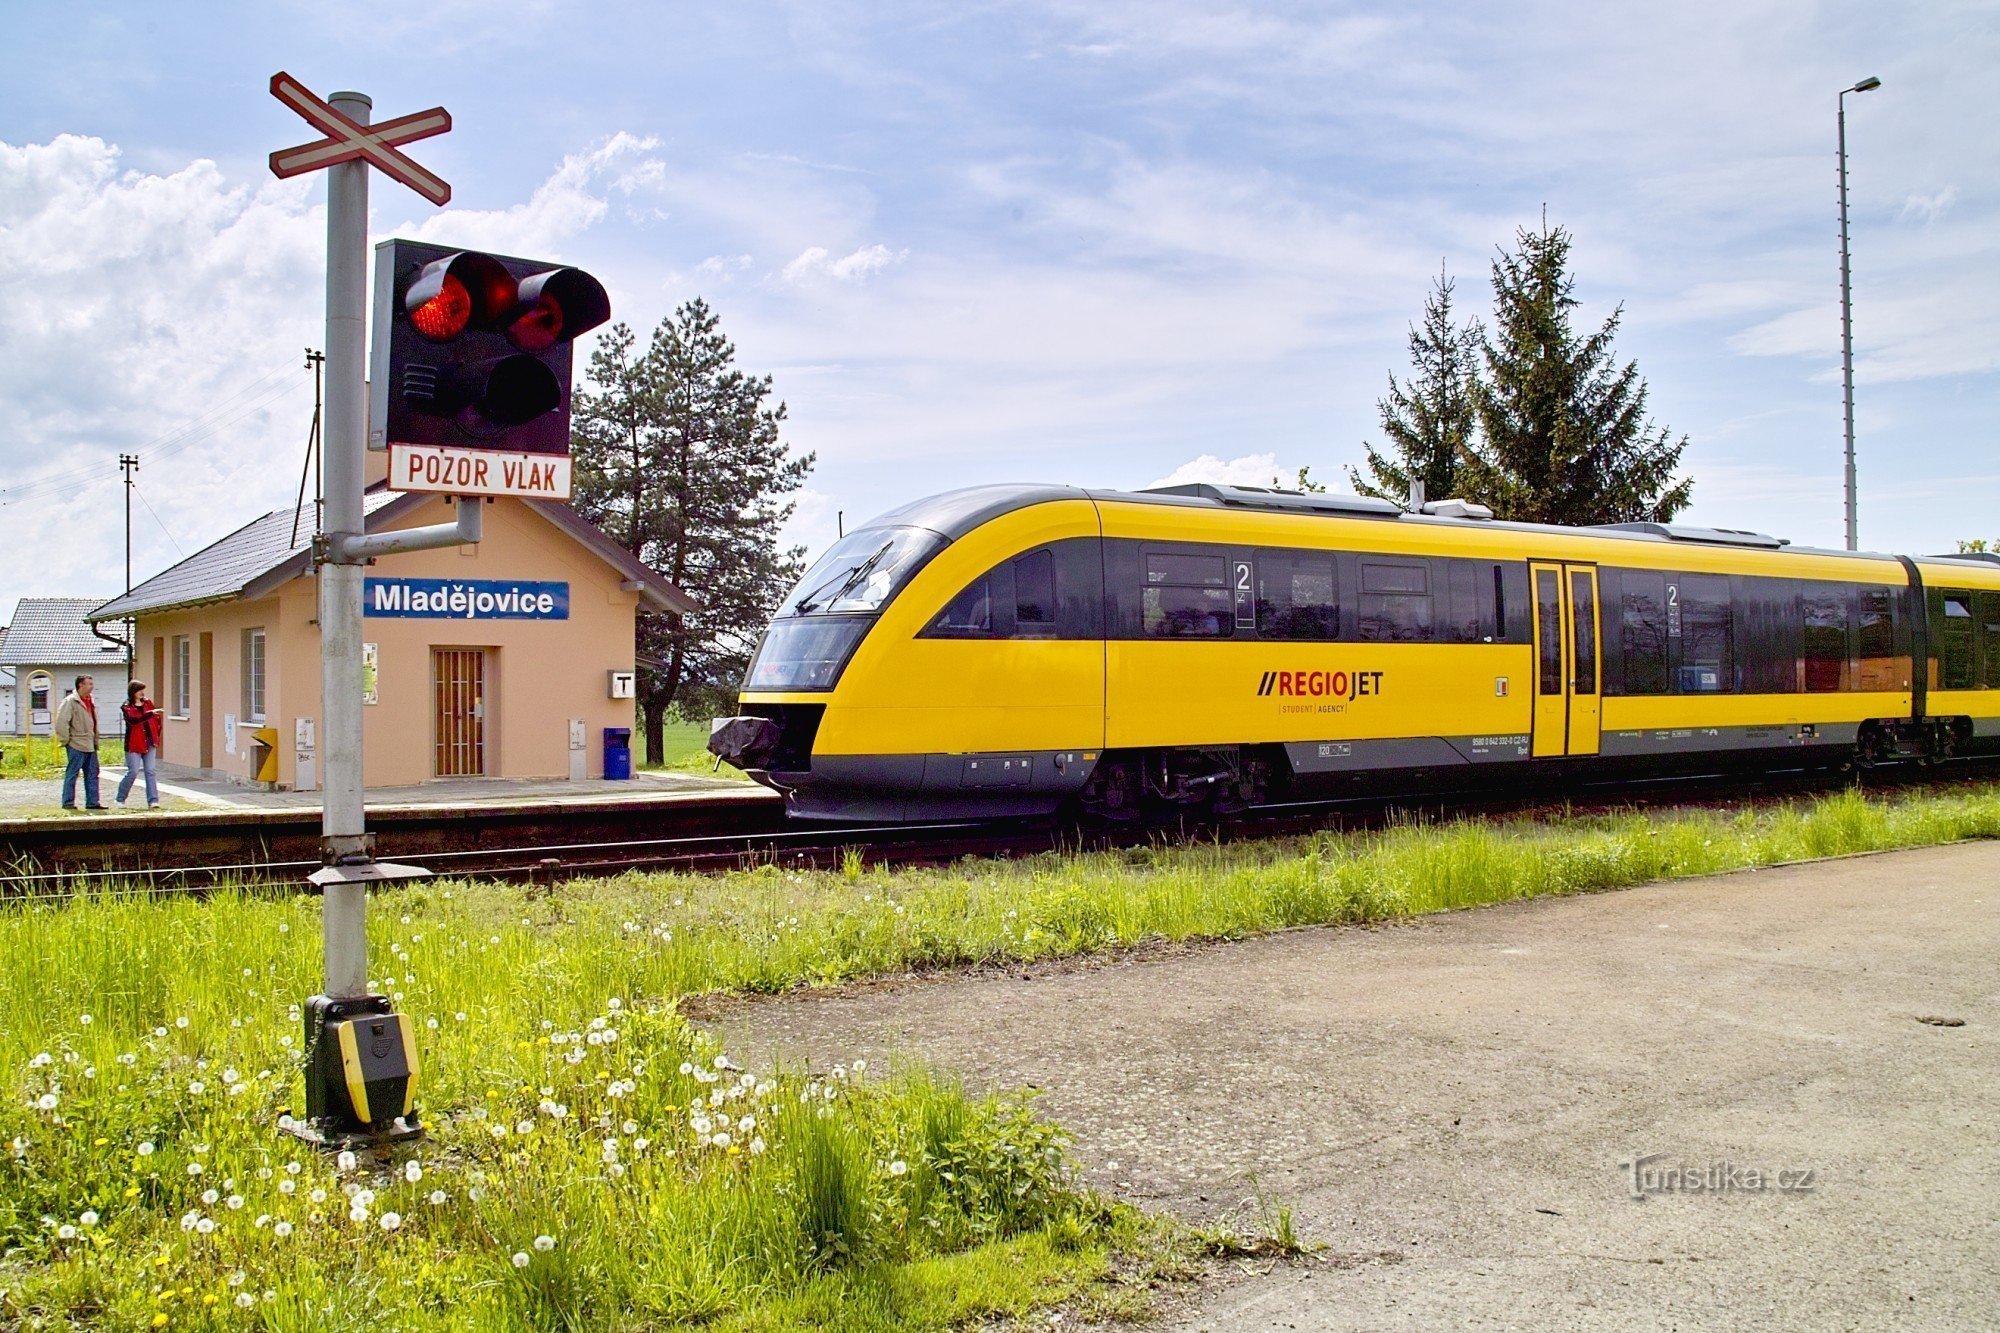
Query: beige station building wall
540, 676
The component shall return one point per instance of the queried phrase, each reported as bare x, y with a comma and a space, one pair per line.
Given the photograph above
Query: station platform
36, 798
219, 823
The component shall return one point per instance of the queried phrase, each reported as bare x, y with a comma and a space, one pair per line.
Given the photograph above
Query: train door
1567, 670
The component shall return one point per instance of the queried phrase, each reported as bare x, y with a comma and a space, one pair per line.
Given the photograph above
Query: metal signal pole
343, 440
1847, 309
128, 464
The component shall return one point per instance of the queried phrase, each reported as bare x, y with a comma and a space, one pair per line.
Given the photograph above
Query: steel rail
951, 840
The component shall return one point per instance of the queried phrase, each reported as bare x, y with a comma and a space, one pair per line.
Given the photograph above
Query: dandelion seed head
545, 1243
520, 1259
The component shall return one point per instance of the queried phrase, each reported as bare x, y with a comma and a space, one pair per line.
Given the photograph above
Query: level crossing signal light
475, 351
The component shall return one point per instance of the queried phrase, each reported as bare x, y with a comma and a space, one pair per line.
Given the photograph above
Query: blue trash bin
618, 752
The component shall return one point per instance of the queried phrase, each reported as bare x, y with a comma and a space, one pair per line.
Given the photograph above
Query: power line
157, 519
198, 427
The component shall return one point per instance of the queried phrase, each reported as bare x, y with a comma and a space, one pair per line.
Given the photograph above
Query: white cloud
568, 202
1248, 470
167, 314
817, 262
1927, 208
723, 266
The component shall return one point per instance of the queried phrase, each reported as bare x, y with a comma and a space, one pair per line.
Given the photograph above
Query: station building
43, 649
504, 659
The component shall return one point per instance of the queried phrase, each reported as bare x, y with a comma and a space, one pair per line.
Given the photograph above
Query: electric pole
128, 464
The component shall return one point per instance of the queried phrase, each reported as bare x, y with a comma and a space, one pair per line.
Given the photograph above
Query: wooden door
204, 689
460, 691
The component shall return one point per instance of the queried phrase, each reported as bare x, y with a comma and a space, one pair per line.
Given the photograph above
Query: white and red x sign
348, 140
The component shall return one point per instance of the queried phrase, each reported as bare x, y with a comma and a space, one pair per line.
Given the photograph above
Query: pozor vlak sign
472, 369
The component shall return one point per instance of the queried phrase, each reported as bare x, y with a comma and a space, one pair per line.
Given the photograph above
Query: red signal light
539, 326
463, 291
445, 315
557, 305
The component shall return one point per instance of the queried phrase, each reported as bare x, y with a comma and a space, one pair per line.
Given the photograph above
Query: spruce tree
1563, 432
1428, 418
678, 456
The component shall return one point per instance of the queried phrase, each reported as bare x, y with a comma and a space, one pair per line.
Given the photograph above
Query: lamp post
1868, 84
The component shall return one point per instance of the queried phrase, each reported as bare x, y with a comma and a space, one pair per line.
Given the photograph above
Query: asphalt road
1450, 1106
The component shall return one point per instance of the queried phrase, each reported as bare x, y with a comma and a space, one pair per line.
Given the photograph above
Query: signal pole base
361, 1074
329, 1137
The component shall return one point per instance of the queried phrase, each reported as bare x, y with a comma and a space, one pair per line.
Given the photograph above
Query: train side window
1988, 606
1035, 592
1548, 598
1952, 618
1511, 602
1296, 597
1707, 662
1583, 621
1825, 649
1767, 634
1395, 602
1642, 617
1187, 597
969, 615
1878, 667
1458, 618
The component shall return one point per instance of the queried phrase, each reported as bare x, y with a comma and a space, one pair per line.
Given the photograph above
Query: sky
1101, 242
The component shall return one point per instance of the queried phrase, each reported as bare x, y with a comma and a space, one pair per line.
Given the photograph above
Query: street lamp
1868, 84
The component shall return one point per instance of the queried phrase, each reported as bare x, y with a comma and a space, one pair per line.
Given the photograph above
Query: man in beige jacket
76, 728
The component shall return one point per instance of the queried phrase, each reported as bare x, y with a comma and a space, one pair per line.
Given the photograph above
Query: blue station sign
464, 599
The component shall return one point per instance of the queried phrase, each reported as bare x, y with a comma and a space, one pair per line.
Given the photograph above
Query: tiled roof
235, 566
52, 631
221, 572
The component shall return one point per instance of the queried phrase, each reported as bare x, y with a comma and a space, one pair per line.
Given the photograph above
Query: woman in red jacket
142, 744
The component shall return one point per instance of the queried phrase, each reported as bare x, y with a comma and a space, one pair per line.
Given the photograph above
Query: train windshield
860, 572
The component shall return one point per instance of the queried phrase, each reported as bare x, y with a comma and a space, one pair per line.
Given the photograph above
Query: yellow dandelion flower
132, 1191
209, 1299
160, 1320
99, 1143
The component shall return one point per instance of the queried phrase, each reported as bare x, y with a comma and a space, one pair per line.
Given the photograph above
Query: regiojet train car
1019, 650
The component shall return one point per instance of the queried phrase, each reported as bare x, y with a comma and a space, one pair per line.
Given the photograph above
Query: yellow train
1012, 650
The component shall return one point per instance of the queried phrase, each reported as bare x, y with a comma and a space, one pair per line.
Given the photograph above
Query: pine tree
678, 457
1428, 418
1563, 432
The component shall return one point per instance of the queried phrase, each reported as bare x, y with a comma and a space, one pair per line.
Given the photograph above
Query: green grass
591, 1162
191, 1046
685, 751
45, 756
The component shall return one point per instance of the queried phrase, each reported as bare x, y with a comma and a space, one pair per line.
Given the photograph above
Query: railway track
734, 831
